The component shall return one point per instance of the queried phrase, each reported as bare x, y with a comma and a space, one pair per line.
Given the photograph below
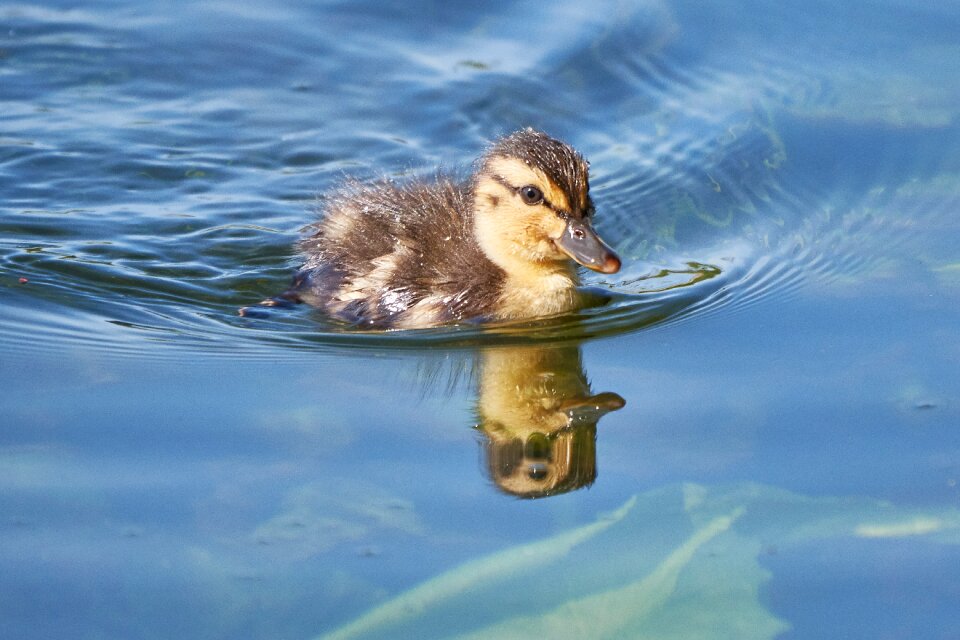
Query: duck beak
581, 242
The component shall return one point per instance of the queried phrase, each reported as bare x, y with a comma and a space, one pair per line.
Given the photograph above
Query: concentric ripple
150, 197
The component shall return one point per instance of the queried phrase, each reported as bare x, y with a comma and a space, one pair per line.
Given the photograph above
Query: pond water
758, 437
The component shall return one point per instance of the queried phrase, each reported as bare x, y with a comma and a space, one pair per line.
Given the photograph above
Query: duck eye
531, 195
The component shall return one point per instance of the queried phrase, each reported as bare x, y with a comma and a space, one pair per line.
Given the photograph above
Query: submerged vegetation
677, 562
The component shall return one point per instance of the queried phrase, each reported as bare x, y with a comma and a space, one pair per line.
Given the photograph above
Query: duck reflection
535, 408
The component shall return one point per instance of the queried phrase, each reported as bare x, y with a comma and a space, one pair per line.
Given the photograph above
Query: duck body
392, 256
496, 246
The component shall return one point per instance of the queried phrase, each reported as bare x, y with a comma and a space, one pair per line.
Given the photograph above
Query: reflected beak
592, 408
581, 242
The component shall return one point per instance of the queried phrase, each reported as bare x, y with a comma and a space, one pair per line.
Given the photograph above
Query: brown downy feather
390, 255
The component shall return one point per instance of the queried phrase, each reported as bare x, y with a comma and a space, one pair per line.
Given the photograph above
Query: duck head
533, 209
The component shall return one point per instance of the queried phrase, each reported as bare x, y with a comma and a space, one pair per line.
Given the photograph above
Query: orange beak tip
611, 264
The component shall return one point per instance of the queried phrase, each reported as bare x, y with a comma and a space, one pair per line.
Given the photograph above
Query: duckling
502, 245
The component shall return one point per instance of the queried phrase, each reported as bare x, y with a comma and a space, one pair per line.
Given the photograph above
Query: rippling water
773, 386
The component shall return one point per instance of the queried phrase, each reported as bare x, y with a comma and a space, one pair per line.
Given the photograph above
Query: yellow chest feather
527, 295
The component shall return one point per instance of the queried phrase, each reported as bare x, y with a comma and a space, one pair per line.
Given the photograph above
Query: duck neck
533, 289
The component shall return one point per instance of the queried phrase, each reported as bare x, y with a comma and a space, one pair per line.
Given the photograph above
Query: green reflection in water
494, 567
677, 562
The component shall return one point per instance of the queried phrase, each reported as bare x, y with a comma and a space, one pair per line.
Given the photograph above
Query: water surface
756, 438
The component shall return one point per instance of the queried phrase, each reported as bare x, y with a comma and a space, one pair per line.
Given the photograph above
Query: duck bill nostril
581, 242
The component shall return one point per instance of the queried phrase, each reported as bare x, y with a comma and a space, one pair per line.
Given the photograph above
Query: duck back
388, 256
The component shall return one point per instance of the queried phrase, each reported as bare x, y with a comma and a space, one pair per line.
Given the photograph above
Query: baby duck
502, 245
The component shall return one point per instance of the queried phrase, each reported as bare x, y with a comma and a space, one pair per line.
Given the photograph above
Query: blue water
782, 182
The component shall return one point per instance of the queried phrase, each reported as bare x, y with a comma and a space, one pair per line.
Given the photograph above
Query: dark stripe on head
545, 203
565, 167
